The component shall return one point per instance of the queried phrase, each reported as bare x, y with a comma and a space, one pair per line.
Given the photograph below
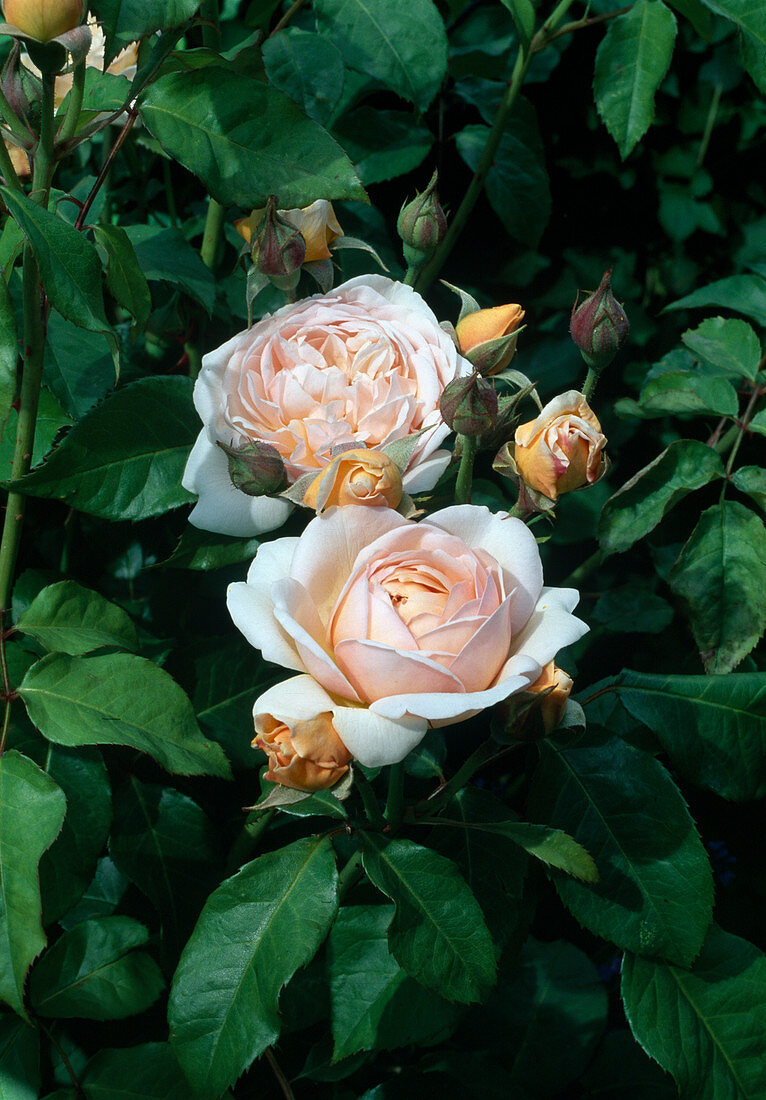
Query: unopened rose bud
304, 754
599, 325
357, 476
469, 405
488, 337
279, 249
553, 688
12, 83
317, 224
422, 224
43, 19
256, 468
562, 449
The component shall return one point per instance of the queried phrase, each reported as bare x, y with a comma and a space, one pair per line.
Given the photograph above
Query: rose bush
397, 625
364, 364
562, 449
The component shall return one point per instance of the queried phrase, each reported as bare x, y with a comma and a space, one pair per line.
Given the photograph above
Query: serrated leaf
655, 891
164, 255
125, 279
730, 344
751, 480
32, 811
146, 1072
255, 931
67, 618
438, 934
704, 1025
119, 699
124, 459
382, 144
523, 14
20, 1076
721, 577
205, 550
385, 40
552, 846
78, 369
125, 21
687, 393
101, 897
712, 727
749, 17
638, 507
229, 678
245, 140
69, 266
740, 293
631, 62
632, 608
308, 68
93, 972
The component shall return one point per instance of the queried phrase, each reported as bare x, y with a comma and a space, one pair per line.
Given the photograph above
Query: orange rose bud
316, 223
358, 476
43, 19
562, 449
558, 686
307, 755
488, 336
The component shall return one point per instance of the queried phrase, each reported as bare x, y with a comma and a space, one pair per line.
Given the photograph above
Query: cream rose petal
379, 670
252, 608
297, 616
221, 507
551, 626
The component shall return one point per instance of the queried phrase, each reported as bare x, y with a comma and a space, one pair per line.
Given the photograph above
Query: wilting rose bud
422, 224
469, 405
557, 686
599, 325
317, 224
305, 754
256, 468
562, 449
488, 337
43, 19
279, 249
358, 476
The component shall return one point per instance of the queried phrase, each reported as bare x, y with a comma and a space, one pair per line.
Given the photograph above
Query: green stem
369, 800
294, 8
241, 851
487, 751
709, 123
743, 426
211, 236
589, 385
350, 874
69, 125
211, 31
395, 800
722, 445
465, 472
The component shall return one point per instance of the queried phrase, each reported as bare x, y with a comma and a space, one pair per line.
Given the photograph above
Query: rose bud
279, 249
305, 754
488, 337
358, 476
562, 449
599, 325
43, 19
422, 224
469, 405
317, 224
557, 686
256, 468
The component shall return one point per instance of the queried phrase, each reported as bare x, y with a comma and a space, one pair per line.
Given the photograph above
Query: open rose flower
562, 449
397, 625
364, 364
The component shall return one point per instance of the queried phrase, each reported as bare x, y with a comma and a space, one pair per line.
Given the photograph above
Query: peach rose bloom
397, 626
562, 449
304, 753
317, 224
43, 19
358, 476
554, 704
363, 365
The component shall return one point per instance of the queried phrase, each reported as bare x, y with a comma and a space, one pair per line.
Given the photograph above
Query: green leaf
125, 279
631, 62
655, 891
758, 423
374, 1004
20, 1076
119, 699
697, 14
67, 867
32, 811
401, 43
750, 18
683, 392
78, 369
70, 270
9, 352
125, 21
751, 480
551, 846
255, 931
205, 550
638, 507
125, 459
546, 1017
438, 934
67, 618
740, 293
306, 67
101, 897
704, 1025
721, 577
523, 13
712, 727
51, 418
164, 255
632, 608
229, 678
731, 345
382, 144
146, 1072
245, 140
167, 846
94, 973
517, 183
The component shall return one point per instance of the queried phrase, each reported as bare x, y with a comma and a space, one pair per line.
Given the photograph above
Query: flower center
411, 594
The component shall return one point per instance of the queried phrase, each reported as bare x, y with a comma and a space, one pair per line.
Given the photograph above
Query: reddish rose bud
279, 249
256, 468
422, 224
469, 405
599, 325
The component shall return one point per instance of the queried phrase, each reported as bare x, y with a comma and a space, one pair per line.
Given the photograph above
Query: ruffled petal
551, 626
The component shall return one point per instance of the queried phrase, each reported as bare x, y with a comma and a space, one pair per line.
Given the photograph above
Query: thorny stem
743, 426
106, 167
69, 125
589, 385
465, 470
395, 801
349, 875
369, 800
581, 24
